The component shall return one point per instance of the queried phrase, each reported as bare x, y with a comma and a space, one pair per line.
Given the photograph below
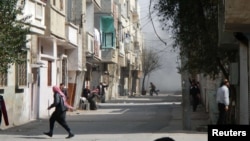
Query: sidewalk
200, 119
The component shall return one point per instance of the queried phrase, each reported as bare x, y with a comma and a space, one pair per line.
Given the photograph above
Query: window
39, 9
54, 2
108, 41
22, 72
61, 4
49, 73
3, 79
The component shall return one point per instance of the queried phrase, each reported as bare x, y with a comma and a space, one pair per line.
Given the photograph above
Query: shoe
48, 134
70, 136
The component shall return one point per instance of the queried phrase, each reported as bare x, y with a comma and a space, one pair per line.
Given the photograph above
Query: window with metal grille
3, 79
22, 74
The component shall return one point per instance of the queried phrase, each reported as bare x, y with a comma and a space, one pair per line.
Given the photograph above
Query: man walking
222, 99
153, 89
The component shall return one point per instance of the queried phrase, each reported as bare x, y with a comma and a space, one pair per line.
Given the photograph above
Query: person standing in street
102, 88
59, 115
222, 98
195, 94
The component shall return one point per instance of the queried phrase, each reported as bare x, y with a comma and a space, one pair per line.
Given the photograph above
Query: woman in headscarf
59, 115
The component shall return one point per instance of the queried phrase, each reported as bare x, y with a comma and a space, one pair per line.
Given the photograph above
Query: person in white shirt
222, 98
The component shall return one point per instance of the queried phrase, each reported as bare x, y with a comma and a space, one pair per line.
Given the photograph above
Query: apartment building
79, 43
234, 35
233, 26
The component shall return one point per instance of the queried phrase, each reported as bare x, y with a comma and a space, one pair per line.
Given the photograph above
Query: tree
150, 63
195, 29
13, 32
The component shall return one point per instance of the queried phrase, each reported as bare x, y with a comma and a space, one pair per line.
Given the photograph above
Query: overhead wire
150, 16
135, 22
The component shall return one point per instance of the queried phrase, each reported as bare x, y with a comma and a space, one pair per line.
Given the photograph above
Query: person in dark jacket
90, 95
195, 94
59, 115
94, 93
153, 89
102, 88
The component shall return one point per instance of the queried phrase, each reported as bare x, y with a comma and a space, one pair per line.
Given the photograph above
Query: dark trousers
195, 102
103, 98
92, 102
153, 91
60, 118
222, 114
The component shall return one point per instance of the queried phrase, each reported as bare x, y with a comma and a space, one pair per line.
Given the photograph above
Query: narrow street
126, 119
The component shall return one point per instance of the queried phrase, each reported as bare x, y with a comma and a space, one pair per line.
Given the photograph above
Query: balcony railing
109, 55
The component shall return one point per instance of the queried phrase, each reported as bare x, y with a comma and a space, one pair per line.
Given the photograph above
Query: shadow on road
126, 115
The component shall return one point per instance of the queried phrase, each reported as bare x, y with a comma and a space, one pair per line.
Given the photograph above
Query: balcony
55, 21
121, 58
92, 53
109, 55
36, 8
107, 6
72, 34
226, 39
237, 15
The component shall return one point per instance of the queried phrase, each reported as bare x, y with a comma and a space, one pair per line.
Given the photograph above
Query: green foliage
195, 28
13, 31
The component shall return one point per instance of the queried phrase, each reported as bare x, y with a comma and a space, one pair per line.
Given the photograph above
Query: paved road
140, 118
